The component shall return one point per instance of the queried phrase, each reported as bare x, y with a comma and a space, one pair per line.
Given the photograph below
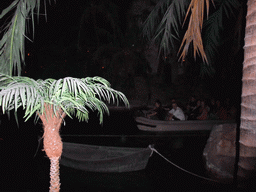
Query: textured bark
52, 142
54, 174
248, 105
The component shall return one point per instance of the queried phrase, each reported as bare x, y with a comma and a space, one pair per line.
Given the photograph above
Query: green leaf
8, 9
164, 22
32, 95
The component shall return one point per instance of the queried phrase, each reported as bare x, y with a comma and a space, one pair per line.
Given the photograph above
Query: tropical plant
167, 20
248, 104
51, 100
165, 32
12, 44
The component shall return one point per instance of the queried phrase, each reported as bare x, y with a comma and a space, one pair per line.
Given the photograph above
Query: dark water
21, 171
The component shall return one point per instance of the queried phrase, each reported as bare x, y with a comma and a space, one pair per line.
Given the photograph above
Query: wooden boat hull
145, 124
103, 158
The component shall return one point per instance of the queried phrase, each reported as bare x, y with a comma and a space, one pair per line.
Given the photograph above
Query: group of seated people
196, 109
161, 113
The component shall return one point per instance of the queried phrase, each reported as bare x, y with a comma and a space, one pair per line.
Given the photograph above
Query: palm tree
169, 27
51, 100
248, 104
165, 26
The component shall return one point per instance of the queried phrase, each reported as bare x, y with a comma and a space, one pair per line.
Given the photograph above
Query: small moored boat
145, 124
95, 158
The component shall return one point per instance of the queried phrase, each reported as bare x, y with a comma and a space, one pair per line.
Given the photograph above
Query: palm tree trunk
247, 162
52, 143
54, 174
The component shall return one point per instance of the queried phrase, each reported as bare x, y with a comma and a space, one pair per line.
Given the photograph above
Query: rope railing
154, 150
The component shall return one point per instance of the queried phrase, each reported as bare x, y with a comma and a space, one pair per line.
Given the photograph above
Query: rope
154, 150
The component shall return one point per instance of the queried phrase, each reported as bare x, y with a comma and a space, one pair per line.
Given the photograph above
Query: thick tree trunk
220, 149
247, 163
53, 143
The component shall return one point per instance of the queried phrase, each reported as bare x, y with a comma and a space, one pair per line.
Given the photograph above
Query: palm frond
163, 24
193, 33
214, 25
19, 91
12, 50
206, 69
8, 9
72, 95
77, 94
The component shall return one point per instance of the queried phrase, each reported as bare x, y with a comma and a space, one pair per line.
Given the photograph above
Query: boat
150, 125
95, 158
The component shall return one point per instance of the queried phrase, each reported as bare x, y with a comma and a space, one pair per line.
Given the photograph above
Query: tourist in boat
158, 113
187, 111
169, 107
192, 102
190, 106
176, 113
203, 112
212, 114
195, 112
221, 111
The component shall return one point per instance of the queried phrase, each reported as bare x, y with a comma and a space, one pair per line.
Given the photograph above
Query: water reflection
21, 171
